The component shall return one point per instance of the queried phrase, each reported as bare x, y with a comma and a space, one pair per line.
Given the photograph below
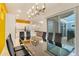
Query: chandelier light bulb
33, 7
19, 11
36, 10
43, 6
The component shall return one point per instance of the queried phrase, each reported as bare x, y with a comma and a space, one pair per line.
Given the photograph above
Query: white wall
43, 27
40, 26
10, 26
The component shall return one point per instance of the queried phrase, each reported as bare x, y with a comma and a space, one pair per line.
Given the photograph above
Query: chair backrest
21, 35
10, 37
50, 37
10, 47
58, 37
28, 34
44, 36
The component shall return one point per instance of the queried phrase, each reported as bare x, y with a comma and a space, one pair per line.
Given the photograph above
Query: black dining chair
44, 36
50, 37
18, 47
58, 37
21, 36
28, 35
10, 48
13, 51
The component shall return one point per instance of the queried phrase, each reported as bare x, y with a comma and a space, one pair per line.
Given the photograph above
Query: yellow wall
2, 25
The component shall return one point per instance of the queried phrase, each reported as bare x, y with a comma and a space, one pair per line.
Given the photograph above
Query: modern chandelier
36, 9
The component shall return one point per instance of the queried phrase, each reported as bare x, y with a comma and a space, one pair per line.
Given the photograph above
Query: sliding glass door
62, 27
68, 31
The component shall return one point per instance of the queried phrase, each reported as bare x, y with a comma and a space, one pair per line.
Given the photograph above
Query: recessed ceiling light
27, 12
30, 10
19, 11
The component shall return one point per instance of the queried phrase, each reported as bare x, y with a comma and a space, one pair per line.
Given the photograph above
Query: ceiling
20, 9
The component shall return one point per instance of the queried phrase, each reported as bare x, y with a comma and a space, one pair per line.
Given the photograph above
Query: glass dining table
58, 51
37, 47
36, 50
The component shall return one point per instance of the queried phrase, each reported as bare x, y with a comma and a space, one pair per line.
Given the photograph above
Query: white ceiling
19, 9
24, 7
51, 9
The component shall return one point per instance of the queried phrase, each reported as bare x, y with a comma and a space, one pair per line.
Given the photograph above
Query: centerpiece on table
35, 41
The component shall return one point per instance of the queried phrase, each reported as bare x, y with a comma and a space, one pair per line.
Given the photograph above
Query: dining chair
21, 36
50, 37
28, 35
13, 51
18, 47
44, 36
58, 37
